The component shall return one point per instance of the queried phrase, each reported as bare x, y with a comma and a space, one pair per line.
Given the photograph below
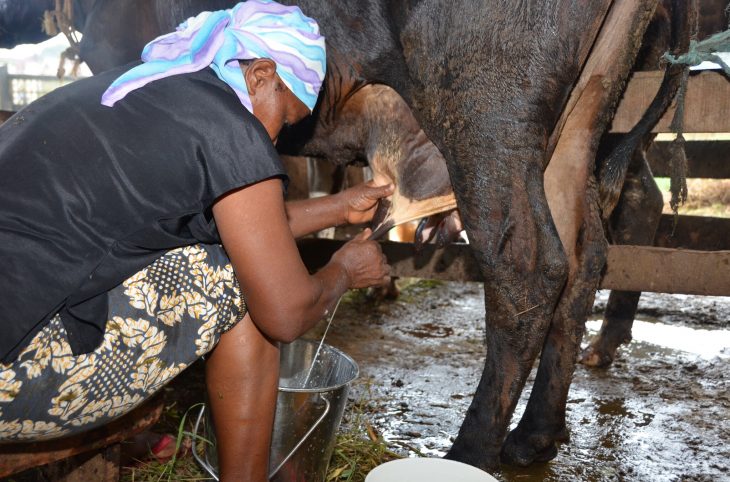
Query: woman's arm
284, 300
353, 206
308, 216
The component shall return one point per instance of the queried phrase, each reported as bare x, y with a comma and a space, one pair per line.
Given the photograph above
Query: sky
725, 56
39, 59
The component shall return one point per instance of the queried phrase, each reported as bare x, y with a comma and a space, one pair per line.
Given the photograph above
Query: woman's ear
258, 74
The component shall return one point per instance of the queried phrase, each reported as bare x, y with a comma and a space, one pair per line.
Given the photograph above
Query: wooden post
5, 115
6, 96
583, 122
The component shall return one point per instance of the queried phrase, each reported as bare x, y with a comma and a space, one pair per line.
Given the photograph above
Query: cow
376, 126
636, 217
488, 82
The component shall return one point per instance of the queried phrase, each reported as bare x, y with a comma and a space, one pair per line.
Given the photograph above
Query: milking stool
87, 457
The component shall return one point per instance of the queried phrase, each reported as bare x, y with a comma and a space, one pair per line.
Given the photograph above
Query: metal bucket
307, 416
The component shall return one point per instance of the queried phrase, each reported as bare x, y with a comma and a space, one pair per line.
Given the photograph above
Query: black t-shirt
90, 194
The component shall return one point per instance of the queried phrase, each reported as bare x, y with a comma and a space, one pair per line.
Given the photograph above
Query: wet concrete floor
661, 412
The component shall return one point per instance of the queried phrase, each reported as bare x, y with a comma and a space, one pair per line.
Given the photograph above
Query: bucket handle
305, 437
203, 463
206, 465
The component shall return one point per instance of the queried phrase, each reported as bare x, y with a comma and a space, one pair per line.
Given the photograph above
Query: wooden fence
18, 90
691, 257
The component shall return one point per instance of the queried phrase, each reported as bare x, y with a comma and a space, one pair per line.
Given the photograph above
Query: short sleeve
240, 156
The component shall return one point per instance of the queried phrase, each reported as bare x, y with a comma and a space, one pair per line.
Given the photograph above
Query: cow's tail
612, 170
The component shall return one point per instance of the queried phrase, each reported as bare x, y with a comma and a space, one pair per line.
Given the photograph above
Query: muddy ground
661, 412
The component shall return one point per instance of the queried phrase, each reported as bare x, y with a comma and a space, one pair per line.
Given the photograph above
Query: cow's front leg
543, 423
520, 255
634, 221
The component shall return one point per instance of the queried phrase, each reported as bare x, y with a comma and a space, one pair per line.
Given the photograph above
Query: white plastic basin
427, 470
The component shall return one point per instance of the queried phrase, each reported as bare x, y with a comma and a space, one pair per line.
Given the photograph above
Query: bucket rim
328, 388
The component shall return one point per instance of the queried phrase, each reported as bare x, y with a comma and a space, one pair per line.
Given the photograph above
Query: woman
110, 219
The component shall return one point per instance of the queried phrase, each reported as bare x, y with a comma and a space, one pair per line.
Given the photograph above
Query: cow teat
399, 152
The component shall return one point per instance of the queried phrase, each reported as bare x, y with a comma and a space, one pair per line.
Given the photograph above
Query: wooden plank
632, 268
6, 93
21, 456
453, 263
98, 466
707, 159
693, 232
662, 270
707, 103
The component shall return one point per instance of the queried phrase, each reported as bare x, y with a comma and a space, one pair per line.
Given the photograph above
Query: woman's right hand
363, 261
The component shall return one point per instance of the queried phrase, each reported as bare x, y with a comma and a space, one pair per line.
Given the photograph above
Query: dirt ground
661, 412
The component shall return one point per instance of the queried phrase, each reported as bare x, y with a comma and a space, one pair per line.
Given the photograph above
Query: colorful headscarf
250, 30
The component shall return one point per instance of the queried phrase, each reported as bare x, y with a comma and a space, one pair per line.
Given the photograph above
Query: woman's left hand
361, 200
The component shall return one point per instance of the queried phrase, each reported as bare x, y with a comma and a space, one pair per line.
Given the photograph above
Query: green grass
414, 289
182, 469
705, 197
358, 450
663, 183
360, 447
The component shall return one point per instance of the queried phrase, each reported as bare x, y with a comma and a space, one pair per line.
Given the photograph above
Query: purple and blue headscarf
250, 30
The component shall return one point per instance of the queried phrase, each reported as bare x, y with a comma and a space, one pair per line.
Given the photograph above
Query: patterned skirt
161, 320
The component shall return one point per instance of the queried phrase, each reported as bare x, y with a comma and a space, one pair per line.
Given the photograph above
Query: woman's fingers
377, 192
363, 260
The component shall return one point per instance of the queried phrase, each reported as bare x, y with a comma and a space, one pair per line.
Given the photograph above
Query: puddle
707, 343
660, 412
430, 330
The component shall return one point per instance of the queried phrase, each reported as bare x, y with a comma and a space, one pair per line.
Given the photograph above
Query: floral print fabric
160, 321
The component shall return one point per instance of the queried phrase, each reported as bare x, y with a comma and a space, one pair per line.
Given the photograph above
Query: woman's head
255, 29
273, 103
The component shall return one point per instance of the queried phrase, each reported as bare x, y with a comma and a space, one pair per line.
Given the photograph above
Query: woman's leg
242, 374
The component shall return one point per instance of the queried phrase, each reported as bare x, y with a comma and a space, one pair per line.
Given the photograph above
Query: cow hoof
595, 357
524, 449
478, 460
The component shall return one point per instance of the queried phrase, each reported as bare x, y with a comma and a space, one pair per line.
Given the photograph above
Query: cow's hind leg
543, 422
525, 266
634, 221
